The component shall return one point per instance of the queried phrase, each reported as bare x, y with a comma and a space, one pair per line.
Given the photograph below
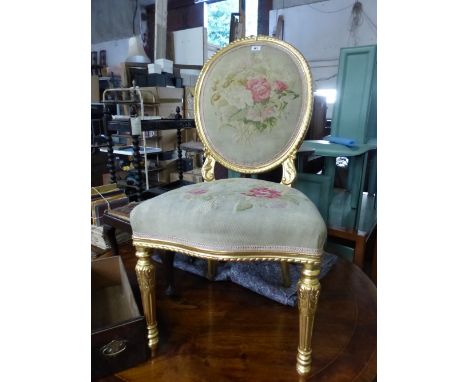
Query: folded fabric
341, 141
264, 277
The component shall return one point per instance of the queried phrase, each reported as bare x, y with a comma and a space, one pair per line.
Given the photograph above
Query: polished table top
219, 331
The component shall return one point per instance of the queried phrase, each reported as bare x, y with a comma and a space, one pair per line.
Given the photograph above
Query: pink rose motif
197, 192
263, 192
260, 89
280, 86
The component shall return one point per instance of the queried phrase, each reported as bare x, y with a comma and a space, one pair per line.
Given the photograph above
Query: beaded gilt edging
264, 255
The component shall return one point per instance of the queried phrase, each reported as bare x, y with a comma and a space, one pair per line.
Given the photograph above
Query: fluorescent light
330, 94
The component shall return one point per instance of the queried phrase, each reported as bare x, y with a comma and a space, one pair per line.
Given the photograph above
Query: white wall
319, 30
116, 52
292, 3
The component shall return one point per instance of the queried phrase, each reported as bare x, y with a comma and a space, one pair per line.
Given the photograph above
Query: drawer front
118, 348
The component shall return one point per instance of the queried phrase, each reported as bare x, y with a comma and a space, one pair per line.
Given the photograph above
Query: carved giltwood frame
308, 286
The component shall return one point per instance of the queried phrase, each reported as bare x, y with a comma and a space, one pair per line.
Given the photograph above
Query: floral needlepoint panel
252, 103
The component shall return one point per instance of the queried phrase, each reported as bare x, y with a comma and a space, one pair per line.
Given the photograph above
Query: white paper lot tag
136, 125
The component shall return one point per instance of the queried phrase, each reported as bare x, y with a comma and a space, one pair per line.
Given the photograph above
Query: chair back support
253, 104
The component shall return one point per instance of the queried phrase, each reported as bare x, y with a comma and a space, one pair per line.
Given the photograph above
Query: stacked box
103, 198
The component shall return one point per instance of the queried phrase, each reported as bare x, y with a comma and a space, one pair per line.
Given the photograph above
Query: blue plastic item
341, 141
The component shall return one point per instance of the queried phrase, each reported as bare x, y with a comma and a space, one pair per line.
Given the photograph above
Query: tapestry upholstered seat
244, 215
253, 104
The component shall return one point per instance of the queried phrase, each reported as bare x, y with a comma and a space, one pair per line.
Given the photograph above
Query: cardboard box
190, 135
165, 174
193, 176
100, 243
118, 329
166, 65
167, 163
106, 178
168, 109
167, 100
154, 68
167, 140
98, 206
103, 189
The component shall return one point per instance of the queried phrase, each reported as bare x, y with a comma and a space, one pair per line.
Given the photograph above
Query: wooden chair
253, 104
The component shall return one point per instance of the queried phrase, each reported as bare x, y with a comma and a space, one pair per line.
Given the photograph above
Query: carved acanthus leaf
289, 170
308, 298
208, 167
145, 275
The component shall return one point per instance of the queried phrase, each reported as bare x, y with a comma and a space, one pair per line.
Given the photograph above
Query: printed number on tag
256, 48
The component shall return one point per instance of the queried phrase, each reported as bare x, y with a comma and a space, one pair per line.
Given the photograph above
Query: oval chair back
253, 104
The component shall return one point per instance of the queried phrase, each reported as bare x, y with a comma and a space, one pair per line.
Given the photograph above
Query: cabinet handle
113, 348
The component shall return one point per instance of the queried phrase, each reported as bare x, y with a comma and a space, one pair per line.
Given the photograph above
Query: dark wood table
219, 331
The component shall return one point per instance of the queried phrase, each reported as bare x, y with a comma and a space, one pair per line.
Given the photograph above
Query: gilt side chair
253, 104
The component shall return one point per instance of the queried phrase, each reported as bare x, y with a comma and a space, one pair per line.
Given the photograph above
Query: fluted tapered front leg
145, 271
308, 290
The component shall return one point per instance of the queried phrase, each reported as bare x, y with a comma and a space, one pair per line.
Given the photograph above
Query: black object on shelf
166, 155
142, 80
186, 164
179, 82
157, 79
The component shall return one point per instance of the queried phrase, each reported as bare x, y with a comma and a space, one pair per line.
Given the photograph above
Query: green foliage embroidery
243, 205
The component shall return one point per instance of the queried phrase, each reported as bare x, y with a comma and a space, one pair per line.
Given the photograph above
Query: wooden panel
318, 123
183, 15
353, 116
264, 7
150, 12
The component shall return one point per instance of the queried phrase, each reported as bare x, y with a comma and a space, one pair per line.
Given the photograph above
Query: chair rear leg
308, 291
109, 233
168, 263
285, 274
211, 269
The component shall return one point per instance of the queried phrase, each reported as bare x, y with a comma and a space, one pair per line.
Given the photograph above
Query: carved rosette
208, 167
289, 170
